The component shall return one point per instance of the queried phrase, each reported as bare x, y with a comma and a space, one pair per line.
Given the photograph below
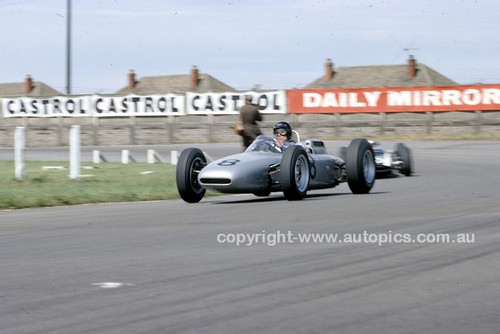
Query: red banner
400, 99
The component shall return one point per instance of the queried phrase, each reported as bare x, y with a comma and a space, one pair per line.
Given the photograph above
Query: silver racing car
386, 161
262, 168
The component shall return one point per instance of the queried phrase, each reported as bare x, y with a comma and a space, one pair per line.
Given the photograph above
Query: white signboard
138, 105
134, 105
94, 105
229, 103
46, 107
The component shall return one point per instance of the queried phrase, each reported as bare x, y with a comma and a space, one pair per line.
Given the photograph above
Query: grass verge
110, 182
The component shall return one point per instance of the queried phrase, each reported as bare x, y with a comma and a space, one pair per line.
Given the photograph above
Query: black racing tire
189, 165
360, 166
404, 153
398, 147
295, 173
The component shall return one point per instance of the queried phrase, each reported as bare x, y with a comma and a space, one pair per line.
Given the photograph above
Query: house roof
180, 83
381, 76
18, 89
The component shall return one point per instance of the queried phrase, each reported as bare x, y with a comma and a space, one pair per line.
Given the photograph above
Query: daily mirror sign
94, 105
405, 99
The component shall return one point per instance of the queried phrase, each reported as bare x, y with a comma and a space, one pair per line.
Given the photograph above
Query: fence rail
210, 128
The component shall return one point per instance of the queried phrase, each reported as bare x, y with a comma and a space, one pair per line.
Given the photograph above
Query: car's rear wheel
404, 153
295, 173
189, 165
360, 166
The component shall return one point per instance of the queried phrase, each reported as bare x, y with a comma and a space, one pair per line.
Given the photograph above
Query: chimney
29, 84
194, 77
328, 70
131, 80
412, 68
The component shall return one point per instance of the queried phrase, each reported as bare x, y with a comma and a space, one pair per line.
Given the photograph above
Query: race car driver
283, 133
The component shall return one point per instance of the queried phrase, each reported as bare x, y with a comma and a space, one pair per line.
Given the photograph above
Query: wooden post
383, 119
26, 124
60, 124
170, 129
211, 122
479, 121
133, 123
95, 131
430, 119
338, 124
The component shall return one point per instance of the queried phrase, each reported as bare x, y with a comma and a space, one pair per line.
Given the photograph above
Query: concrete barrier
44, 132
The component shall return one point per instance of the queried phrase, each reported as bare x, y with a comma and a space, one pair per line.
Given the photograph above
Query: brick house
404, 75
27, 88
180, 83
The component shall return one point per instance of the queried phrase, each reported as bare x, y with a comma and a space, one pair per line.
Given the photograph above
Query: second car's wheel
360, 166
189, 165
295, 173
343, 152
404, 153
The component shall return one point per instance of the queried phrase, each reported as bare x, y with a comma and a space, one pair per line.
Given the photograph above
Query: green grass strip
108, 182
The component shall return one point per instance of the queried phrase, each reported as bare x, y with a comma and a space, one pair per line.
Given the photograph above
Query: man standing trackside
249, 116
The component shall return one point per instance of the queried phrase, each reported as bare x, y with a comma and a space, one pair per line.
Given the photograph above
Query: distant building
27, 88
405, 75
193, 82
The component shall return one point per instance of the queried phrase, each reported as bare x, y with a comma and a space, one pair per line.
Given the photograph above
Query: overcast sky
244, 43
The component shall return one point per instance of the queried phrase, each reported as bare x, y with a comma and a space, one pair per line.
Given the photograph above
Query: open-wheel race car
386, 161
262, 168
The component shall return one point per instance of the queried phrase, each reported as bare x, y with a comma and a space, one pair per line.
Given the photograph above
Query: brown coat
249, 116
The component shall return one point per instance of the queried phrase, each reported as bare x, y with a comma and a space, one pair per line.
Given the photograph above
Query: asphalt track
172, 267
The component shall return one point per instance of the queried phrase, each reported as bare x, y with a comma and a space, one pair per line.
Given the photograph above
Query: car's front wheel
189, 165
295, 173
360, 166
404, 153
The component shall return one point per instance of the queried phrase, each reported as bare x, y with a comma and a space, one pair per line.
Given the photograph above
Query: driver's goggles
279, 132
